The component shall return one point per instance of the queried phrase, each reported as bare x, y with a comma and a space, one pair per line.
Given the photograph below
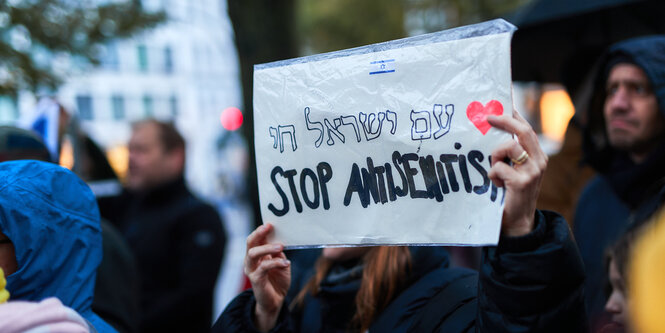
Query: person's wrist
265, 319
521, 227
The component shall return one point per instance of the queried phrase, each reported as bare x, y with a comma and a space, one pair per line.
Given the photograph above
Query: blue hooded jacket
51, 217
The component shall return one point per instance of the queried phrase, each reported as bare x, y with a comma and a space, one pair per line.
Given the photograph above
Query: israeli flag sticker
382, 66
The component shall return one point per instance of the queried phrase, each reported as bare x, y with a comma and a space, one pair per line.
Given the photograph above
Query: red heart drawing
478, 113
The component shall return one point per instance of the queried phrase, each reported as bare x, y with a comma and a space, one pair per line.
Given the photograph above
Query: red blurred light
231, 118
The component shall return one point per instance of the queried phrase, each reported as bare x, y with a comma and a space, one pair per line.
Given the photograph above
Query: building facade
185, 71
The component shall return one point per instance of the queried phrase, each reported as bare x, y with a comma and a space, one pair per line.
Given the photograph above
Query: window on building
84, 106
110, 59
168, 60
118, 106
173, 103
148, 106
152, 5
8, 109
142, 52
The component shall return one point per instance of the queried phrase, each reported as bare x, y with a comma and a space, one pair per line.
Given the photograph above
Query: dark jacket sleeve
200, 249
533, 283
237, 317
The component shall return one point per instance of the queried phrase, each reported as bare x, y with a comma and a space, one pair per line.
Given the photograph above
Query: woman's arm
269, 272
533, 280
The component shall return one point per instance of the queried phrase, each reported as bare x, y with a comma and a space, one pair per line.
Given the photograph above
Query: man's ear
176, 160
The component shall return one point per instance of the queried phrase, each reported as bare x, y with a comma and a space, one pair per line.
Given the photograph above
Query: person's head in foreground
647, 273
50, 236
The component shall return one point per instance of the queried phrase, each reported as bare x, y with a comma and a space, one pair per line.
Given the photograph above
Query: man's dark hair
169, 136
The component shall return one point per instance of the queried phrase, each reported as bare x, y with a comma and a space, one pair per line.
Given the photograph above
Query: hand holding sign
522, 181
269, 271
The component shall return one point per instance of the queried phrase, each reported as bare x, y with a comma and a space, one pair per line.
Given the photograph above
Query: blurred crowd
143, 254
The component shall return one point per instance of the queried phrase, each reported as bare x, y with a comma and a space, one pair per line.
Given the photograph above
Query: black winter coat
531, 283
178, 242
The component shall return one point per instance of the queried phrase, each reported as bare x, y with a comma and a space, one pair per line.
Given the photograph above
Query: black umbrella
560, 40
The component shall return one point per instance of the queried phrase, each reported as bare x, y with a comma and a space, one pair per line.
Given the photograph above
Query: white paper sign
387, 143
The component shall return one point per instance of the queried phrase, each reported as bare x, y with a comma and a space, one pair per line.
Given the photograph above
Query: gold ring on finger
521, 159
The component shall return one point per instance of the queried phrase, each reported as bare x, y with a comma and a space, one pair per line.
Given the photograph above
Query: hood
649, 54
51, 217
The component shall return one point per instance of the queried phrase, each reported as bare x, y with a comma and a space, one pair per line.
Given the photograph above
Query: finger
506, 150
261, 253
529, 141
512, 150
501, 173
525, 134
258, 236
523, 131
258, 252
267, 265
519, 117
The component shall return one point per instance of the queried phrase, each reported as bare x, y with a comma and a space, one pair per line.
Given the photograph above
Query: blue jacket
621, 187
51, 217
